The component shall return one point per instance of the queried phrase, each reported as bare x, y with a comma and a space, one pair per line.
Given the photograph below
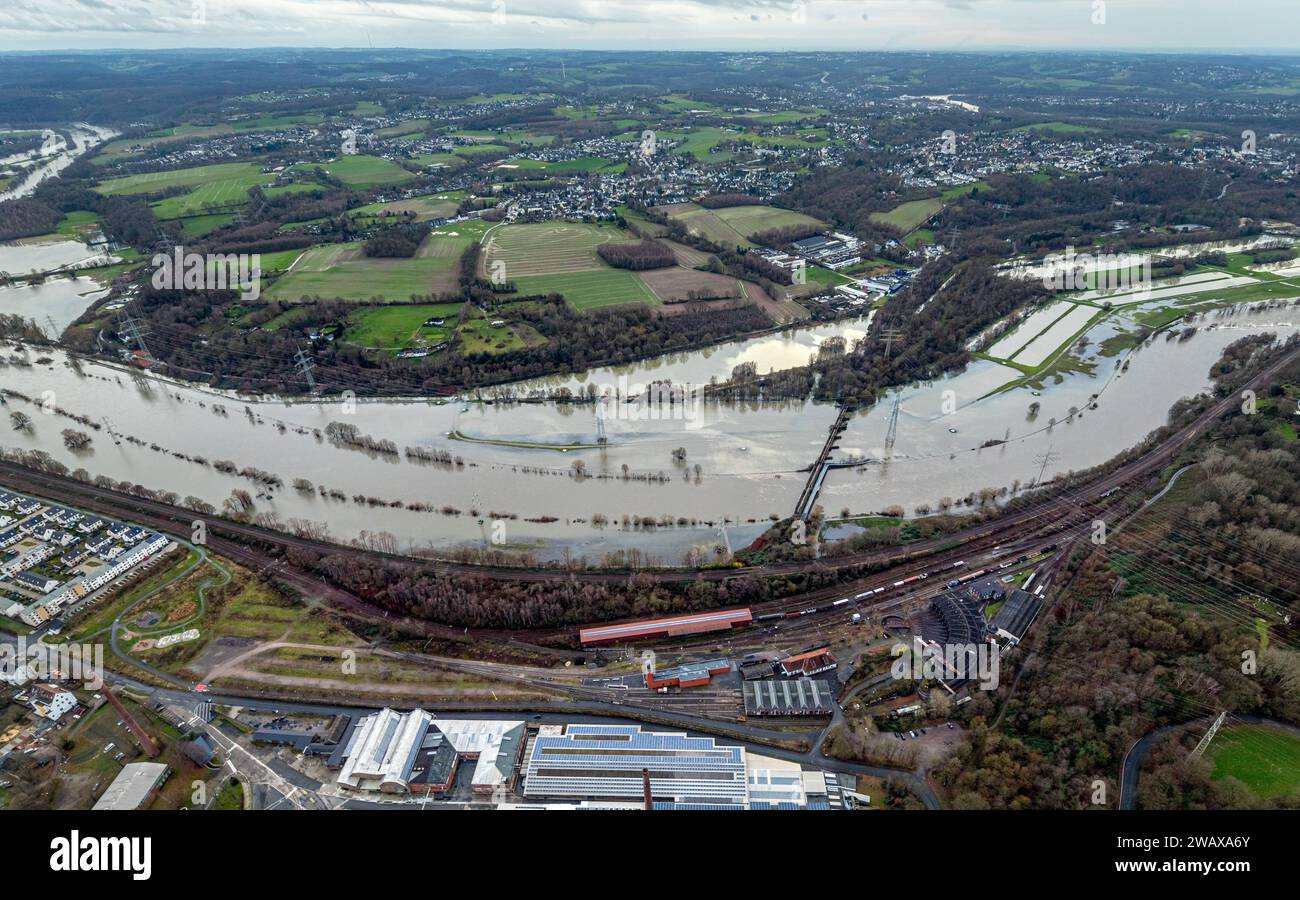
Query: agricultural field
785, 117
429, 160
222, 184
150, 182
1199, 283
197, 226
1011, 343
78, 223
362, 171
644, 225
701, 143
344, 272
548, 248
411, 126
912, 214
706, 222
687, 256
592, 289
1058, 128
280, 260
1266, 760
734, 225
560, 257
297, 187
750, 220
676, 283
565, 167
1062, 331
401, 326
432, 206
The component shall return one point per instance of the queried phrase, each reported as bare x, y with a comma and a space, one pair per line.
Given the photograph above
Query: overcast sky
1230, 25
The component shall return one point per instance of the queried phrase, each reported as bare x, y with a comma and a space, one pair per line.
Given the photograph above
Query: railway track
261, 549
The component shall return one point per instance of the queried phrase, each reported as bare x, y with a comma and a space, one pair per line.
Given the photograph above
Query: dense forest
1152, 630
949, 302
192, 334
645, 254
397, 241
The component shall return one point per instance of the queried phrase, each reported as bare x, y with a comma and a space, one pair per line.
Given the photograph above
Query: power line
1046, 459
892, 433
305, 364
1209, 735
136, 329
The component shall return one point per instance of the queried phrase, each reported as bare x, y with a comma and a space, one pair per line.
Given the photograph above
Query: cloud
651, 24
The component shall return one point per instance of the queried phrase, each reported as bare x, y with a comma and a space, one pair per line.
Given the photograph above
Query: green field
919, 237
194, 177
785, 117
78, 222
197, 226
439, 159
1058, 128
708, 223
344, 272
479, 335
279, 260
548, 248
396, 327
216, 185
581, 164
701, 143
432, 206
362, 171
411, 126
298, 187
590, 290
907, 216
733, 225
1266, 760
749, 220
477, 149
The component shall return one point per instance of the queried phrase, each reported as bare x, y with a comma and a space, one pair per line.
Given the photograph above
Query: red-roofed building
677, 626
687, 675
810, 663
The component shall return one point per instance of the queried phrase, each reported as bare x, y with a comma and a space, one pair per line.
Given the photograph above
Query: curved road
1131, 768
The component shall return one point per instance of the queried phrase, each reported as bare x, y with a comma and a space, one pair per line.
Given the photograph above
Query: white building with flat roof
134, 787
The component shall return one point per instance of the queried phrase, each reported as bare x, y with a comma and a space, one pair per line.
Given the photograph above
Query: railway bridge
817, 474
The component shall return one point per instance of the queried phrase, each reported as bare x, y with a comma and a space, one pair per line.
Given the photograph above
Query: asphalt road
1131, 768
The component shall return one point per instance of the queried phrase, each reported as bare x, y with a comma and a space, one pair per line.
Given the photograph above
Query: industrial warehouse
393, 754
398, 753
796, 697
663, 770
678, 626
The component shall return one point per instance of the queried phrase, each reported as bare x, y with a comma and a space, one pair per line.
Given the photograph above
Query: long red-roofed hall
677, 626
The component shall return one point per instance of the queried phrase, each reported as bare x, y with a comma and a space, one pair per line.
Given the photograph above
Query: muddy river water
741, 465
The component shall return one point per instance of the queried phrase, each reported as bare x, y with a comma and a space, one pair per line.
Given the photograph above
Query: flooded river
83, 138
736, 464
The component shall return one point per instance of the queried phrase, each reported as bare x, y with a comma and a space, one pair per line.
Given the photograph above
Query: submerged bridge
803, 509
